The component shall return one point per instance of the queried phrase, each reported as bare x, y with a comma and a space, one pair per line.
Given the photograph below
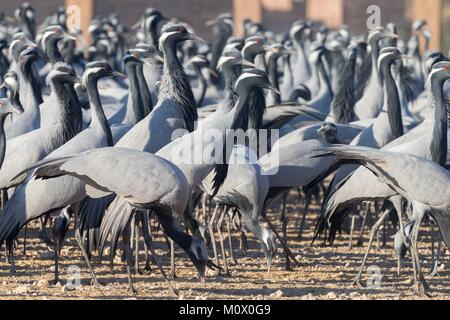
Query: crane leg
222, 246
204, 206
128, 255
305, 211
383, 244
352, 228
145, 218
211, 235
25, 239
243, 243
149, 244
434, 265
361, 231
434, 257
10, 257
95, 281
398, 206
284, 221
135, 224
43, 233
173, 274
4, 196
420, 285
232, 260
373, 232
56, 252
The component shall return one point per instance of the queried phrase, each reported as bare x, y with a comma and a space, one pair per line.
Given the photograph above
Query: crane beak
119, 74
4, 103
273, 89
17, 109
159, 58
136, 25
10, 19
213, 266
195, 37
211, 22
213, 73
392, 36
247, 64
68, 36
269, 48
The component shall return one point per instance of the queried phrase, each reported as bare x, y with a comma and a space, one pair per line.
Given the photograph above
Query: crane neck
175, 86
438, 146
32, 90
231, 74
172, 229
256, 102
324, 81
202, 86
2, 137
287, 71
29, 29
249, 55
374, 55
98, 118
69, 110
343, 104
392, 100
272, 68
247, 112
52, 52
218, 45
146, 97
134, 111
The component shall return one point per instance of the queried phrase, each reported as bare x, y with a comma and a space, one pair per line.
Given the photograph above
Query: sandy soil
324, 273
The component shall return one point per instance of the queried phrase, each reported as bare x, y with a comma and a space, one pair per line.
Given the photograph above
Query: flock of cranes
90, 133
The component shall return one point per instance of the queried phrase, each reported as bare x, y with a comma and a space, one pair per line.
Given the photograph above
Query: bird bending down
151, 183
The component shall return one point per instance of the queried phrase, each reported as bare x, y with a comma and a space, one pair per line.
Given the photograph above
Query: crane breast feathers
372, 159
18, 156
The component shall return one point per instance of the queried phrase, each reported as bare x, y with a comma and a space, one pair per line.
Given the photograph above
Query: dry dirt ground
324, 273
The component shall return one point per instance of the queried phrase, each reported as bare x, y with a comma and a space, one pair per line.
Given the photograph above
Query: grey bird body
29, 94
363, 185
62, 191
27, 149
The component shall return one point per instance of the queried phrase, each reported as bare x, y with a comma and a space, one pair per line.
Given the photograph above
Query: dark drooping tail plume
344, 101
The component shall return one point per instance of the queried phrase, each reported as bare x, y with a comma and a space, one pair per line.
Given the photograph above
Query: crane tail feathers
114, 222
45, 168
443, 221
91, 212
